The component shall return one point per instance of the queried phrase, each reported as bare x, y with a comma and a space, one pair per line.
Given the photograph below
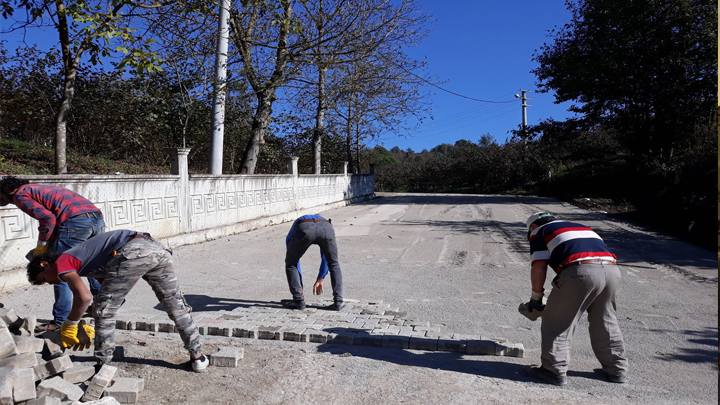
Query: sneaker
613, 378
200, 364
300, 305
542, 373
336, 306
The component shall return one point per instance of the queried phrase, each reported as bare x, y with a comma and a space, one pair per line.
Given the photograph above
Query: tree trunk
357, 145
260, 122
319, 121
348, 143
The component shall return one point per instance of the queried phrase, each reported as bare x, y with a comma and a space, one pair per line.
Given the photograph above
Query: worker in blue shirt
305, 231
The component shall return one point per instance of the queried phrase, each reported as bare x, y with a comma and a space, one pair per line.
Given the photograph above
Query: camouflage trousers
149, 260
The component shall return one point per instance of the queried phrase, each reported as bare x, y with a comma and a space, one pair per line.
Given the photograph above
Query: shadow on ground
206, 303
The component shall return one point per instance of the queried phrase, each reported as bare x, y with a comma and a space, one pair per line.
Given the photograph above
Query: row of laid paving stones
370, 323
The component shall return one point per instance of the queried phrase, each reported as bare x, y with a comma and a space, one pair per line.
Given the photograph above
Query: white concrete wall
217, 205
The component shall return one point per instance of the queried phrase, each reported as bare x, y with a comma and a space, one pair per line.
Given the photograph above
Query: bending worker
120, 258
66, 220
587, 280
305, 231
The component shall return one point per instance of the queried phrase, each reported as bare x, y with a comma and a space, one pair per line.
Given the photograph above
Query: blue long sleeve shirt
323, 263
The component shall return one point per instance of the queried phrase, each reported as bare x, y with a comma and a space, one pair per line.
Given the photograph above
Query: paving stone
396, 313
351, 325
167, 327
98, 384
77, 374
415, 334
147, 326
24, 385
384, 332
219, 331
103, 401
416, 323
41, 372
422, 343
345, 338
24, 360
448, 344
28, 326
8, 316
246, 331
294, 335
6, 387
510, 350
7, 343
270, 332
125, 324
27, 344
58, 365
53, 343
368, 311
227, 357
59, 388
398, 342
388, 317
317, 336
315, 326
125, 390
481, 347
426, 328
44, 401
285, 324
367, 339
395, 322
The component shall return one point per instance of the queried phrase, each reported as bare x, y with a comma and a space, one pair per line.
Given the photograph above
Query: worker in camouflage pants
120, 258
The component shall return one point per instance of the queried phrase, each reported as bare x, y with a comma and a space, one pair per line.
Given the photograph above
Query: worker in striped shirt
587, 280
66, 220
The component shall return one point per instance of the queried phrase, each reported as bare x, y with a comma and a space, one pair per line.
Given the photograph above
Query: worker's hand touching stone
318, 286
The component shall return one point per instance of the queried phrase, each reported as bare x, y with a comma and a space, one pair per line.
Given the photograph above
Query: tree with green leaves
95, 28
644, 68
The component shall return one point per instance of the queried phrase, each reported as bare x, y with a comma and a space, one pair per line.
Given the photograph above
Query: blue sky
483, 49
479, 48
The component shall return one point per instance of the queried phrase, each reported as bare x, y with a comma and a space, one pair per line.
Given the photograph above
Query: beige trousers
591, 288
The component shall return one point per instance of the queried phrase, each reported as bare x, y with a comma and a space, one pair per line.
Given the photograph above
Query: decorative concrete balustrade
180, 208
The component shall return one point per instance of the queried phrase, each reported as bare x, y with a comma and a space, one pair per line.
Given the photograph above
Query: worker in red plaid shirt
66, 220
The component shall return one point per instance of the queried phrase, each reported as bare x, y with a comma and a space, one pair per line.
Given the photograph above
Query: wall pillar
292, 163
179, 167
345, 168
372, 169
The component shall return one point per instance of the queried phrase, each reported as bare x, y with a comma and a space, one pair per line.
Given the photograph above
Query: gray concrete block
452, 345
77, 374
98, 384
294, 334
513, 349
395, 341
219, 331
6, 387
317, 336
41, 371
27, 344
342, 337
8, 316
28, 325
24, 385
147, 326
481, 347
422, 343
53, 343
246, 331
103, 401
167, 327
367, 339
125, 390
59, 388
44, 401
227, 357
270, 332
24, 360
7, 343
125, 324
58, 365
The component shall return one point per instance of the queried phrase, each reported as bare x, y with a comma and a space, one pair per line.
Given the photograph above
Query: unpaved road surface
460, 262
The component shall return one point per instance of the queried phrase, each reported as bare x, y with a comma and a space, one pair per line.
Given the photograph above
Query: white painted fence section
182, 208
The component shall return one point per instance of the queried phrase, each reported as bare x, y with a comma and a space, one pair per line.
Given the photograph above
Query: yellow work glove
42, 247
85, 336
68, 333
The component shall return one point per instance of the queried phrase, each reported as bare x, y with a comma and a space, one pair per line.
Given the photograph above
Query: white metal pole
218, 114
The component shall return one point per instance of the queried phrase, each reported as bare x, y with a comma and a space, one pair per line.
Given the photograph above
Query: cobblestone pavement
358, 323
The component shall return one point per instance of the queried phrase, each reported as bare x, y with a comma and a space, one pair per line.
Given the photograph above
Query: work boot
200, 364
613, 378
542, 373
299, 305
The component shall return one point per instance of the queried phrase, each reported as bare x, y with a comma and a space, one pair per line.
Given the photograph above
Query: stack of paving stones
369, 323
35, 371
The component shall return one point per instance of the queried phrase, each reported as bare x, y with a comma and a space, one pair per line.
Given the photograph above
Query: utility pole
524, 106
218, 114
